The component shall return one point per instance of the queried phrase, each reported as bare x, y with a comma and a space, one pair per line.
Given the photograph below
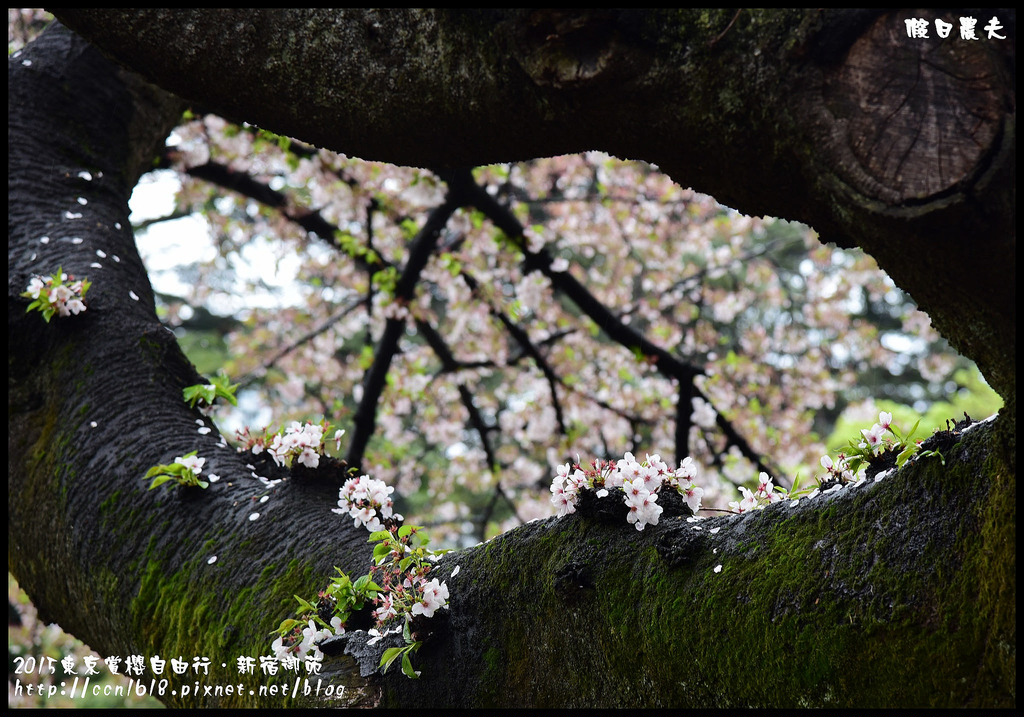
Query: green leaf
388, 657
225, 389
381, 552
906, 454
305, 605
407, 667
366, 357
219, 386
933, 454
360, 585
160, 480
409, 228
796, 485
200, 391
913, 430
286, 626
378, 535
404, 531
156, 470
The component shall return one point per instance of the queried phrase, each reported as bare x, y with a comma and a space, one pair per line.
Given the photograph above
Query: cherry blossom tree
529, 351
515, 313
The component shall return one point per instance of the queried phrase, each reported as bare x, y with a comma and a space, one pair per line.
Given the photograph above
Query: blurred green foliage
971, 396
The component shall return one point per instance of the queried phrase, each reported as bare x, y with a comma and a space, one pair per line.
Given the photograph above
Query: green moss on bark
177, 618
894, 594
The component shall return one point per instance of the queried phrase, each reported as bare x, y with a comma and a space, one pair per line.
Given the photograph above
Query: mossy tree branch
901, 593
890, 594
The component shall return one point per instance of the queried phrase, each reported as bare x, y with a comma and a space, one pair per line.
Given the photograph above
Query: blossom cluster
51, 295
191, 462
837, 470
639, 481
433, 595
185, 470
297, 441
413, 595
402, 567
402, 564
883, 437
765, 494
874, 436
367, 501
306, 646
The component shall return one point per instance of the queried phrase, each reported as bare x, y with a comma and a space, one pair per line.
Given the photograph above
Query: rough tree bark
901, 593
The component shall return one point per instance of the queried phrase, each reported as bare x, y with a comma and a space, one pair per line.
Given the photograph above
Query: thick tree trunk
96, 400
898, 593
